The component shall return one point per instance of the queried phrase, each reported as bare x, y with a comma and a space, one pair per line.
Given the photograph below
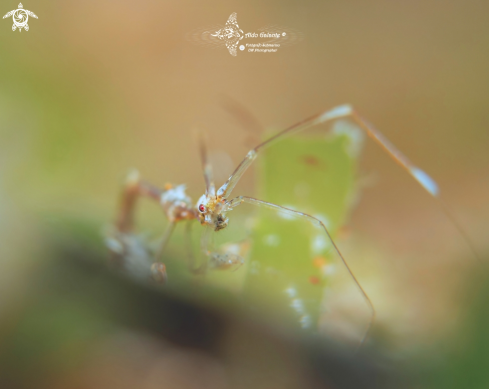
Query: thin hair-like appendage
345, 111
164, 240
206, 167
315, 221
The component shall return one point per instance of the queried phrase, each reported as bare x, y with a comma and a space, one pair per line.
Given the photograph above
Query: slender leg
158, 269
345, 111
126, 248
192, 266
164, 240
244, 199
342, 111
124, 243
133, 189
206, 247
125, 219
188, 244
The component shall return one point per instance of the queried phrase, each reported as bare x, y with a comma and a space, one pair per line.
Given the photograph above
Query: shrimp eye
201, 208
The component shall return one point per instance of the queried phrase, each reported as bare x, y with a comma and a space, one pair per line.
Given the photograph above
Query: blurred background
95, 88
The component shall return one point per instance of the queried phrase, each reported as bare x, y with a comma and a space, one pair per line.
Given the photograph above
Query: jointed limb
188, 245
315, 221
346, 111
134, 188
174, 202
192, 266
164, 240
343, 111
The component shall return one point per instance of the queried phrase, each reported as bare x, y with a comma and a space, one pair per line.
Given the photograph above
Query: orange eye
201, 208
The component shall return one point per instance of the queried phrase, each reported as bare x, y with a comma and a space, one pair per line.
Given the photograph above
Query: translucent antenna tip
425, 180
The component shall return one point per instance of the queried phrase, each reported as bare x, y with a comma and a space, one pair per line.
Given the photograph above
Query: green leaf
291, 258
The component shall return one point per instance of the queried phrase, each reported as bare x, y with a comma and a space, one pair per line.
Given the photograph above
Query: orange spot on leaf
319, 262
314, 280
313, 161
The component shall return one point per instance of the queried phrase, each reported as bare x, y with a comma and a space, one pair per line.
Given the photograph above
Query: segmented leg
346, 111
127, 249
318, 223
133, 189
164, 240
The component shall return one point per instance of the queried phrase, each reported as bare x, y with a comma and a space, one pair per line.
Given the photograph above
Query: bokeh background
97, 87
